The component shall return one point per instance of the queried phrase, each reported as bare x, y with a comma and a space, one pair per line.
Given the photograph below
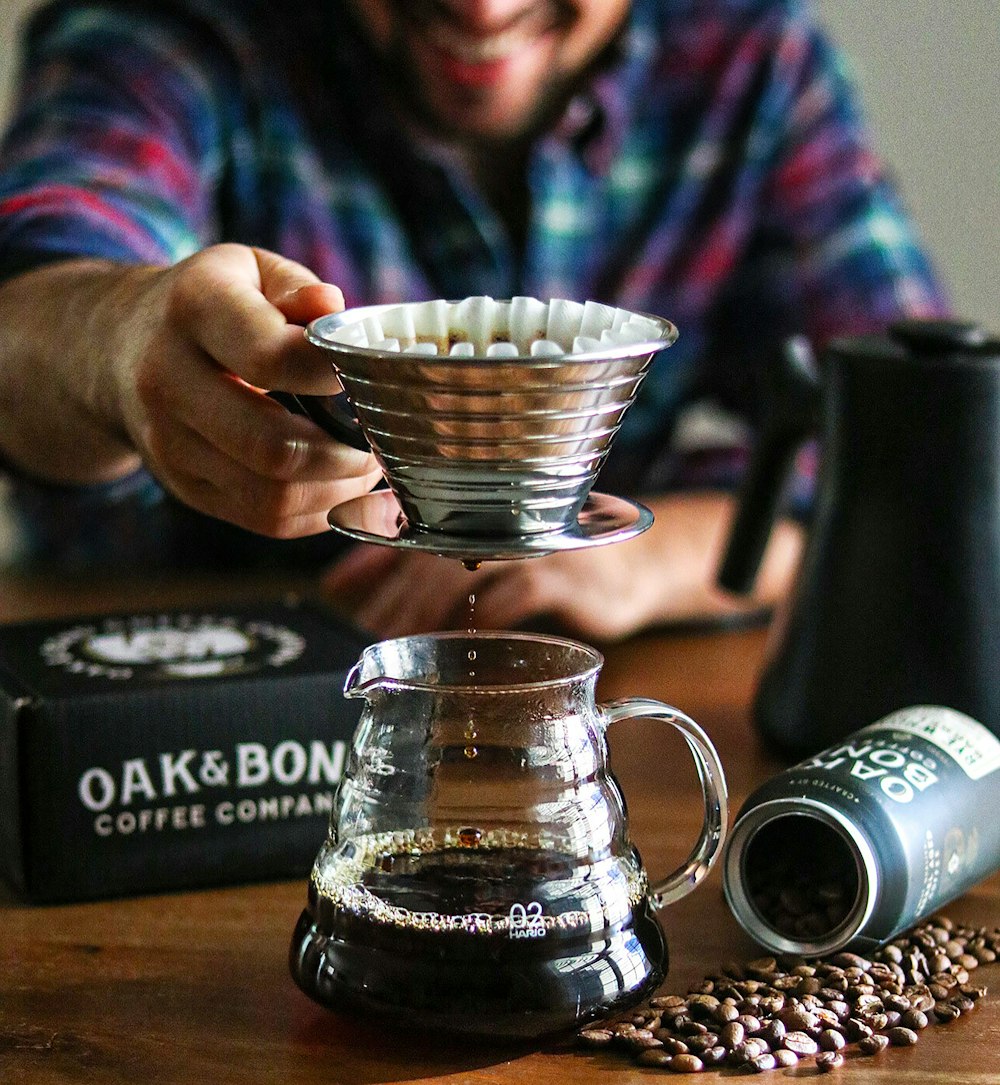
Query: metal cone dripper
490, 420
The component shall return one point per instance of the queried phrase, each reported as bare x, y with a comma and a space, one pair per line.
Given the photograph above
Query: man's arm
106, 366
59, 416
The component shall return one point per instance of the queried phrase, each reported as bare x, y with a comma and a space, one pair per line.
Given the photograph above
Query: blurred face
492, 70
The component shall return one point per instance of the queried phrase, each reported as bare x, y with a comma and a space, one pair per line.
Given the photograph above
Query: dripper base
377, 518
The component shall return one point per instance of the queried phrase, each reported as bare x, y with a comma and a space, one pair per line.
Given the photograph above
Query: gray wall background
929, 74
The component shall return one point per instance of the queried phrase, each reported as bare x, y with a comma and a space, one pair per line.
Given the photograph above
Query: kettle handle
713, 788
791, 404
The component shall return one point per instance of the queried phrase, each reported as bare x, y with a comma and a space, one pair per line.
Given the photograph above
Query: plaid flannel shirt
713, 169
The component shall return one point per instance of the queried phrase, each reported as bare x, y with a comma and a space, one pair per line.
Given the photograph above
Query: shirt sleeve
829, 201
111, 154
833, 250
113, 145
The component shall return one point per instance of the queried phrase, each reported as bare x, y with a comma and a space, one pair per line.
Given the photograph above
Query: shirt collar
598, 118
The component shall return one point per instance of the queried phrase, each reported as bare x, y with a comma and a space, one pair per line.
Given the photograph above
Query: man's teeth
479, 50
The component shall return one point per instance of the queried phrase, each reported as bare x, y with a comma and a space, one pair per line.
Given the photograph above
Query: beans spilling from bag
775, 1012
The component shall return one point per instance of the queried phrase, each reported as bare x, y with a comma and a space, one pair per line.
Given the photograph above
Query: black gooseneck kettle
897, 599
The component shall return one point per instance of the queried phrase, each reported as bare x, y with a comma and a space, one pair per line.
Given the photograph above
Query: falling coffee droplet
471, 734
471, 564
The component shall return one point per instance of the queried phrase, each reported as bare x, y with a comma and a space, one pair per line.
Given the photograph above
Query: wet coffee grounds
775, 1012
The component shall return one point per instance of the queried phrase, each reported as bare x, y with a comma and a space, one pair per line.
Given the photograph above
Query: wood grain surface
194, 987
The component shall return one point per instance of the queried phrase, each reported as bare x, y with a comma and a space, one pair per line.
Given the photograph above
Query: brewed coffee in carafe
497, 959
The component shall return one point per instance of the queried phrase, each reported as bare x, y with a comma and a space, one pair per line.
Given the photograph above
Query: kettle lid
926, 342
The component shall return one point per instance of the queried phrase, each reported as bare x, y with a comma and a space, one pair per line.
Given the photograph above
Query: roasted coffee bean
945, 1012
902, 1037
784, 1057
636, 1037
851, 960
750, 1022
701, 1006
686, 1064
856, 1030
595, 1037
772, 1033
654, 1057
761, 1046
714, 1056
732, 1034
690, 1027
796, 1018
829, 1040
825, 1017
669, 1003
670, 1043
759, 1065
920, 998
800, 1043
868, 1003
725, 1012
873, 1045
840, 1009
915, 1019
829, 1060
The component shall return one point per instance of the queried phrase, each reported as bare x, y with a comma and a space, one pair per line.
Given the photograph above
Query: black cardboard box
159, 751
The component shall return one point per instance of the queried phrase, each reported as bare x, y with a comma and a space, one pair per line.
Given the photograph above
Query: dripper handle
328, 413
713, 788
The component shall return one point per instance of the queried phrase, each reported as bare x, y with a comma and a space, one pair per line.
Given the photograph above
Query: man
188, 183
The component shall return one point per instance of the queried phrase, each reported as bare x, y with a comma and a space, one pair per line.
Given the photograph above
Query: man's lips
479, 58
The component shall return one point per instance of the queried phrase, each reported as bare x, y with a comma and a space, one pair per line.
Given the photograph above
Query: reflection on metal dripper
494, 453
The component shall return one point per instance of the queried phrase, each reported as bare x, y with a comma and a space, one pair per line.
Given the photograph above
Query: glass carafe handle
713, 788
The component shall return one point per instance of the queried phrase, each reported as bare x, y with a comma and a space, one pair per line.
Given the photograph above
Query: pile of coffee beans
774, 1012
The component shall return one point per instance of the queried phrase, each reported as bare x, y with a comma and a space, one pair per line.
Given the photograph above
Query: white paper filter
479, 326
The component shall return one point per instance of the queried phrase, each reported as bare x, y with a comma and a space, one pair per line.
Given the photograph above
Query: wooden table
193, 988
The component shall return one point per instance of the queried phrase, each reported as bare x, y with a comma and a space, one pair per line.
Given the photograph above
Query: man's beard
404, 81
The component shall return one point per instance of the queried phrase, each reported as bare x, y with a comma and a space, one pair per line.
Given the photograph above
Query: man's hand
601, 594
173, 364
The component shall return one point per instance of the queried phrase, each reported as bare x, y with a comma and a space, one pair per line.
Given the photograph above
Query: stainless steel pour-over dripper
490, 448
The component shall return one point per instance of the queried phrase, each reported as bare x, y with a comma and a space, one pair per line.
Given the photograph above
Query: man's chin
469, 115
